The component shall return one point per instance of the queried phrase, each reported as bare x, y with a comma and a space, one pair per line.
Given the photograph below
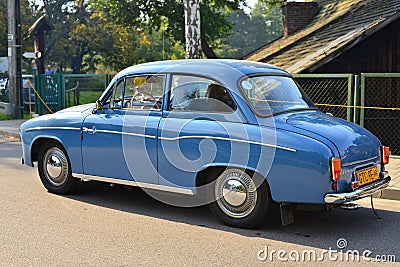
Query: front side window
138, 92
191, 93
274, 94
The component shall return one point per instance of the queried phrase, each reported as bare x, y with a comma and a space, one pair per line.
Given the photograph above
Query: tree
270, 5
271, 13
192, 28
116, 46
63, 16
214, 24
3, 28
27, 19
84, 38
251, 31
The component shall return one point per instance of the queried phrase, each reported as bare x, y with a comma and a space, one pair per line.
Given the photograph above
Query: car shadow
361, 229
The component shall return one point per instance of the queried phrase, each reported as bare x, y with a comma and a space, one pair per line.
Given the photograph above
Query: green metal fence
380, 97
371, 100
50, 89
82, 88
331, 93
59, 91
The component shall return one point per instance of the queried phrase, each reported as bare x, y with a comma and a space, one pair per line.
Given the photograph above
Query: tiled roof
339, 25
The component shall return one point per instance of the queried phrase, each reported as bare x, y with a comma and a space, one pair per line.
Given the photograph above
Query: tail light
335, 168
385, 154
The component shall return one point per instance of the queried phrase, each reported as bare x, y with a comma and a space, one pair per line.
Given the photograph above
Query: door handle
91, 130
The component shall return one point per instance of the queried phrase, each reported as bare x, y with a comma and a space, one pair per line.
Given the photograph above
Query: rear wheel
55, 169
238, 200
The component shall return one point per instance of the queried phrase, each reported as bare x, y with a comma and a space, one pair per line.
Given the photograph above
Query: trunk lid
353, 142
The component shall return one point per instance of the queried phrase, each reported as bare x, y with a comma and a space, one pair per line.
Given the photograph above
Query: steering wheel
145, 93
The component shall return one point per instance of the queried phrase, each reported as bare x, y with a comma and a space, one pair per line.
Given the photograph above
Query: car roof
205, 67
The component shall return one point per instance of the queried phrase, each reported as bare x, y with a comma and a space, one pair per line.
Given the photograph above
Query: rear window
269, 95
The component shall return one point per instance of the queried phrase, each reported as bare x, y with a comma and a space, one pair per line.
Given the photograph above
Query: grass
8, 117
85, 97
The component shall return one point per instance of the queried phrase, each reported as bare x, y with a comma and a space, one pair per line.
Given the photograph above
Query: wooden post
38, 30
14, 57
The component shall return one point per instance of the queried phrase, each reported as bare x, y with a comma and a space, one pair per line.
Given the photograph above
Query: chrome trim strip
338, 198
126, 133
85, 177
224, 139
360, 161
51, 128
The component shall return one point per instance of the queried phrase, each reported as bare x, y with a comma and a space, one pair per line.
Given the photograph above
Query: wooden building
346, 36
352, 37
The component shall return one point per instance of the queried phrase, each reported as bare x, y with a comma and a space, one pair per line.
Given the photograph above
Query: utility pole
192, 29
15, 57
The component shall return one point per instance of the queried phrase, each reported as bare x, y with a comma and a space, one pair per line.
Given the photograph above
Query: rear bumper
333, 198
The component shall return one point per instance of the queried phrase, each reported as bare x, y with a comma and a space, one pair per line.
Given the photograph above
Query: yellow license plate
367, 176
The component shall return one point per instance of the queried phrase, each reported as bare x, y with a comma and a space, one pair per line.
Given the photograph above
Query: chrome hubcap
236, 193
55, 166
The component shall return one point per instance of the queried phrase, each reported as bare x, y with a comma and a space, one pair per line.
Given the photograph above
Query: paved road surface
117, 226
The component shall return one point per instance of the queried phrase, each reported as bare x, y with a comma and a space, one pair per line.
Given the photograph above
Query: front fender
58, 127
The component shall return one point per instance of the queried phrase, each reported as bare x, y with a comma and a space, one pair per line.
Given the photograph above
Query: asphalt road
117, 226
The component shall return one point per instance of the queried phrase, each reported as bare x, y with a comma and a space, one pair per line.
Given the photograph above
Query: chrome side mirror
98, 106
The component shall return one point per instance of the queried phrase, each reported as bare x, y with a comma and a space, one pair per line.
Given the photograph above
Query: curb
391, 193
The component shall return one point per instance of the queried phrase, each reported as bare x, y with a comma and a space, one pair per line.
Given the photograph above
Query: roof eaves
318, 23
315, 57
340, 45
33, 28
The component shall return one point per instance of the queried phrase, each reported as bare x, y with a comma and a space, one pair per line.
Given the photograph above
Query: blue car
239, 136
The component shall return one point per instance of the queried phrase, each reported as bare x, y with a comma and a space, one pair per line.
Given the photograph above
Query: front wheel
238, 200
55, 170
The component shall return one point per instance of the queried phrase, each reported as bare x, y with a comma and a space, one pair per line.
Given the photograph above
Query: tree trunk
207, 50
192, 29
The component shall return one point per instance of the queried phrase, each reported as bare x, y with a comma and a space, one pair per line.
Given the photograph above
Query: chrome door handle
91, 130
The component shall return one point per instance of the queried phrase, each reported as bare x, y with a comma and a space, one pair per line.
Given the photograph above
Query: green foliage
109, 35
251, 31
82, 33
268, 5
118, 46
27, 19
170, 15
8, 117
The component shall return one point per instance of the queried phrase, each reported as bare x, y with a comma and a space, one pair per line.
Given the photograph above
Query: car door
120, 140
195, 130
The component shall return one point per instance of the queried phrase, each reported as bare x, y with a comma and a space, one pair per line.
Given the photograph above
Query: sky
253, 2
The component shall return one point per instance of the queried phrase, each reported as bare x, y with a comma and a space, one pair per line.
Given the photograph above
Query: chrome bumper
338, 198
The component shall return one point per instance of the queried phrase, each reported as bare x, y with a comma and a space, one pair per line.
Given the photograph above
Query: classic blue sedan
237, 135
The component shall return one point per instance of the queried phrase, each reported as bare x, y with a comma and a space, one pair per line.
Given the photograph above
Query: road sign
29, 55
10, 37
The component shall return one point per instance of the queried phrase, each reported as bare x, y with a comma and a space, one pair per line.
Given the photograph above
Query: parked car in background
3, 82
238, 135
28, 95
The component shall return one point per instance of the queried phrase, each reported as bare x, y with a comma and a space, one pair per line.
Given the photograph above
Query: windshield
273, 94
